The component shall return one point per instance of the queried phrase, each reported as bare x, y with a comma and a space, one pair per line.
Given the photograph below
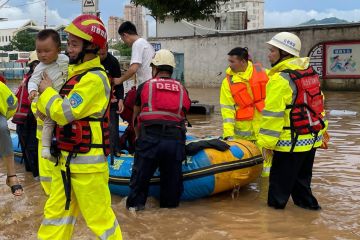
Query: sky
278, 13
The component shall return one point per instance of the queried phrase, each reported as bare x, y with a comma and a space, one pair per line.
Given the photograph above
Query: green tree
122, 48
23, 41
180, 9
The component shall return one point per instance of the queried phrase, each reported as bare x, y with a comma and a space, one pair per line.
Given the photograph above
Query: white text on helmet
289, 42
98, 31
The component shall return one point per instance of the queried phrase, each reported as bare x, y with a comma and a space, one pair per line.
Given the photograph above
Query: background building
8, 29
136, 15
233, 16
113, 26
254, 9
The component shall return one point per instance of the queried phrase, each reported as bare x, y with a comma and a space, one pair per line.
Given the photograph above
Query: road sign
90, 6
156, 46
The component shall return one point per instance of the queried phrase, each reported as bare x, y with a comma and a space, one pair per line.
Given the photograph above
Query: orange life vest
245, 102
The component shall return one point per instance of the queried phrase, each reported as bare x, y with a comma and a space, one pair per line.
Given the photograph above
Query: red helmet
90, 28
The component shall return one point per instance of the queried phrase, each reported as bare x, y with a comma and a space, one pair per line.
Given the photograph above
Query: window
9, 38
6, 39
13, 56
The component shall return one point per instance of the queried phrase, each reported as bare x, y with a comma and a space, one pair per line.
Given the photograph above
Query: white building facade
8, 29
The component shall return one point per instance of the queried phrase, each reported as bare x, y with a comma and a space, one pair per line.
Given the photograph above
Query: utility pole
45, 17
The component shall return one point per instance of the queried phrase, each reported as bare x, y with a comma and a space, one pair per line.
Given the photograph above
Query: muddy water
232, 215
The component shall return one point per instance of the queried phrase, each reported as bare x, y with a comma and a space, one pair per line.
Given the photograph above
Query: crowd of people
67, 114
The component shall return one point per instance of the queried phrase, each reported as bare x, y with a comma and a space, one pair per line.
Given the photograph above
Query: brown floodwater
239, 214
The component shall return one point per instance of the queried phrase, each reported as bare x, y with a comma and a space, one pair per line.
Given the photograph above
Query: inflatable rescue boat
206, 173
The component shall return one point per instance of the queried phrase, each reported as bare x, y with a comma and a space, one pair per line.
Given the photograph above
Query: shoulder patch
10, 101
75, 100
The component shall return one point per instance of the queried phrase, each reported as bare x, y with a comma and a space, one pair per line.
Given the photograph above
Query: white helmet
288, 42
33, 57
164, 57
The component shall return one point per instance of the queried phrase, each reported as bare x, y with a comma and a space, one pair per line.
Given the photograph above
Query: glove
326, 139
267, 154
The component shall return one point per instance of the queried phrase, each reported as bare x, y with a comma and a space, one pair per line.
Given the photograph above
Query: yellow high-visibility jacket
89, 98
279, 94
8, 101
248, 129
39, 122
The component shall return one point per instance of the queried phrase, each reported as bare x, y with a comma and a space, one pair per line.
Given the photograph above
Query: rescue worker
112, 68
45, 166
8, 104
160, 109
292, 123
26, 122
80, 180
242, 97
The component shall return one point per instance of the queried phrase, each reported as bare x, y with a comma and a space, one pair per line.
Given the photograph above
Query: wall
169, 28
206, 56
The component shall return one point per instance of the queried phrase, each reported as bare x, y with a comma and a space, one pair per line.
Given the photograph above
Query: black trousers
291, 174
114, 130
156, 150
29, 144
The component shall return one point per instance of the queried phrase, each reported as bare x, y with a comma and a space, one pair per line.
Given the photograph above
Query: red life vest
75, 137
245, 102
163, 100
306, 111
24, 102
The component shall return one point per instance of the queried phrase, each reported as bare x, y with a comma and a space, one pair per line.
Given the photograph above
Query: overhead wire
21, 5
210, 29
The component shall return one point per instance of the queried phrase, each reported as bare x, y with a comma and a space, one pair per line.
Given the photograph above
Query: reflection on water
242, 215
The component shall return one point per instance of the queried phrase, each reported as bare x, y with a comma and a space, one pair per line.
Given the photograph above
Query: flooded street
231, 215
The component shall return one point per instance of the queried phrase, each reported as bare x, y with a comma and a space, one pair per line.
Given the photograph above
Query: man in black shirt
112, 67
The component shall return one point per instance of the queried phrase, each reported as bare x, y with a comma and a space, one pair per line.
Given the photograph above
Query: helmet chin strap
283, 56
84, 51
